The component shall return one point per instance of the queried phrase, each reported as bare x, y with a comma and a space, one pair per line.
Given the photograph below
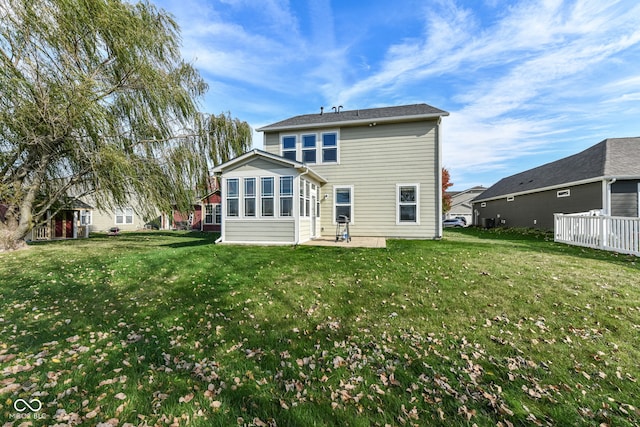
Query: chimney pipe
321, 110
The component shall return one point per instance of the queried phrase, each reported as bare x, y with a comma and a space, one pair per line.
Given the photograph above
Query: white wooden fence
616, 234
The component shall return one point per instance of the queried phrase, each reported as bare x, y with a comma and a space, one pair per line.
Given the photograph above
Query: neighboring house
67, 223
130, 217
461, 203
380, 167
604, 177
205, 215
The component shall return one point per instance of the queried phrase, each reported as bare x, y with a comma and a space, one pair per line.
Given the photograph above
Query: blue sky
525, 82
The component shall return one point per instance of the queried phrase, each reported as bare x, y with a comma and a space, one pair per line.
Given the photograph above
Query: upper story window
315, 148
289, 147
329, 147
309, 148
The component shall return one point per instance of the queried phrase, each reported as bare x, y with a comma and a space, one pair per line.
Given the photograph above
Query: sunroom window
286, 196
249, 197
267, 208
232, 197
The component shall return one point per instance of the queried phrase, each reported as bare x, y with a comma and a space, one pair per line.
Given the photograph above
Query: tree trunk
11, 236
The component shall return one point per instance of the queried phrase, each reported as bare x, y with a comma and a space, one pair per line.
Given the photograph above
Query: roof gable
328, 119
609, 158
250, 156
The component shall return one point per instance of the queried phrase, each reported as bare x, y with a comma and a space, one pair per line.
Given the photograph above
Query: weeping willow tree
96, 100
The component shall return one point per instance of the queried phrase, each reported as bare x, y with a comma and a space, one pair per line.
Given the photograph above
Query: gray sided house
604, 177
380, 167
461, 203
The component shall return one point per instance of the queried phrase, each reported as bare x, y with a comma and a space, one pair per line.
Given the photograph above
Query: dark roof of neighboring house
328, 118
613, 157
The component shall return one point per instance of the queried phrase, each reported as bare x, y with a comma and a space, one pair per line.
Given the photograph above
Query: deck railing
616, 234
41, 233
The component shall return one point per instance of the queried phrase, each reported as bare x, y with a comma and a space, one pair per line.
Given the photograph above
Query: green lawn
486, 327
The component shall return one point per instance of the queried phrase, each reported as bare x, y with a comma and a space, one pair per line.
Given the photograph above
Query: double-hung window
307, 195
217, 213
232, 197
208, 214
407, 197
286, 196
329, 147
309, 148
289, 147
124, 216
343, 202
266, 196
85, 217
249, 197
212, 214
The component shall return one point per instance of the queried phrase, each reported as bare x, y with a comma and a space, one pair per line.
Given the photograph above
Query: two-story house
379, 167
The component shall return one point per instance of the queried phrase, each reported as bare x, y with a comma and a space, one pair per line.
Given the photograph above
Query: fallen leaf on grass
186, 399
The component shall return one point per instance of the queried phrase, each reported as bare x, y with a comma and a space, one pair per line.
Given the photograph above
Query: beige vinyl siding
267, 230
260, 231
305, 229
374, 159
260, 168
103, 220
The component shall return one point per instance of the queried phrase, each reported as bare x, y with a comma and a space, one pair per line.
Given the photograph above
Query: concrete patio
356, 242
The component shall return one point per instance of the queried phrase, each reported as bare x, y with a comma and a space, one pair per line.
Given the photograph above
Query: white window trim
213, 214
303, 149
417, 203
275, 187
333, 208
298, 143
124, 215
563, 193
237, 197
255, 197
83, 217
321, 147
299, 148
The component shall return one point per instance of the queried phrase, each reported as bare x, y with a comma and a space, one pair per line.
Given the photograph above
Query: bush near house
483, 327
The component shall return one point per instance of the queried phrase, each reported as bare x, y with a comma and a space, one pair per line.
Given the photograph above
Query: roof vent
321, 110
337, 109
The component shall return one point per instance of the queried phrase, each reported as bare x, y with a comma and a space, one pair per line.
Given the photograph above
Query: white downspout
607, 196
297, 214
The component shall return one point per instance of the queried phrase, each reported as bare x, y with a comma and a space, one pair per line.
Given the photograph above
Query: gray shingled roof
613, 157
355, 116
